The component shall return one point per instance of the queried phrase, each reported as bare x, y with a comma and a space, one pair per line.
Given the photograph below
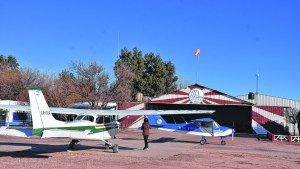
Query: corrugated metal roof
265, 100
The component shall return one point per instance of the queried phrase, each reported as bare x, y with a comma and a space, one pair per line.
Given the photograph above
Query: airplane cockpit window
216, 125
89, 118
107, 119
99, 120
79, 117
206, 124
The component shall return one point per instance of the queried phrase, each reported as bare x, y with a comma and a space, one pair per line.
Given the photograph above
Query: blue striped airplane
203, 127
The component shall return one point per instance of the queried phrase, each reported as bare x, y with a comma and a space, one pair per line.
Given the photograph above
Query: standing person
145, 128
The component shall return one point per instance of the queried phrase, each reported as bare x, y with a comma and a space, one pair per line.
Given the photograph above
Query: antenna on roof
257, 76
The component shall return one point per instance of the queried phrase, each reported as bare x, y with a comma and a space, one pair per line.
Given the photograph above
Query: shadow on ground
44, 150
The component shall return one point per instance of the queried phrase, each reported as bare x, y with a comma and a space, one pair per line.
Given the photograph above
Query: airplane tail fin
156, 121
41, 115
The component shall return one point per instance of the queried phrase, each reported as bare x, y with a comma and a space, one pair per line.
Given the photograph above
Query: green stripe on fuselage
39, 131
83, 128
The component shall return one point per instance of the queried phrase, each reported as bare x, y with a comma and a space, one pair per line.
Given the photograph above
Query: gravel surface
167, 150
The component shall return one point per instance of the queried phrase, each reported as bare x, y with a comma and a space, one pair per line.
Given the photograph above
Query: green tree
138, 68
153, 76
135, 62
170, 78
8, 63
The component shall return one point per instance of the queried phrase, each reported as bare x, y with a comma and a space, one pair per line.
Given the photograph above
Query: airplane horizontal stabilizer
15, 132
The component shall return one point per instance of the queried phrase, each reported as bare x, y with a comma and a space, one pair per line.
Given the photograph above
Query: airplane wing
15, 107
109, 112
52, 109
136, 112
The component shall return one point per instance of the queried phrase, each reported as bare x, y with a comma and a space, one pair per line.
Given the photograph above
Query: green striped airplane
88, 125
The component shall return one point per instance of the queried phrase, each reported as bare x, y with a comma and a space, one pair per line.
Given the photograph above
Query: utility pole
196, 54
256, 94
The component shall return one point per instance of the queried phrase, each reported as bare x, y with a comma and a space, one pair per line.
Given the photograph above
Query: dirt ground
167, 150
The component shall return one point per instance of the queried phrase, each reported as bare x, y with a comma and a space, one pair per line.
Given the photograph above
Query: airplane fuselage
82, 130
192, 128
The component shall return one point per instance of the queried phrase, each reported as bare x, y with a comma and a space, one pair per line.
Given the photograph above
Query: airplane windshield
89, 118
207, 124
216, 125
79, 117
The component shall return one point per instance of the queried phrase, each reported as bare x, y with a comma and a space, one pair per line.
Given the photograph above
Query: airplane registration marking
45, 112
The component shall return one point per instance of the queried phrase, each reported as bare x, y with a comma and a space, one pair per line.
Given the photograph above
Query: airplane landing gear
223, 142
72, 145
106, 146
203, 141
115, 147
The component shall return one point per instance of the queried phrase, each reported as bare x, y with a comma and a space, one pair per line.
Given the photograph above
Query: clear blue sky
237, 38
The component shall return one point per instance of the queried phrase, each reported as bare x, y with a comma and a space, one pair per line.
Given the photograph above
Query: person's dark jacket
145, 128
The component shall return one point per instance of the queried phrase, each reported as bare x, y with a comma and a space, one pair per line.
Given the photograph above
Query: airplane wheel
202, 142
106, 146
223, 142
72, 145
115, 148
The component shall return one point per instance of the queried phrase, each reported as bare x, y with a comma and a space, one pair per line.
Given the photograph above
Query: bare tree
50, 91
120, 89
292, 117
298, 122
9, 77
182, 83
66, 88
29, 78
91, 82
10, 84
48, 83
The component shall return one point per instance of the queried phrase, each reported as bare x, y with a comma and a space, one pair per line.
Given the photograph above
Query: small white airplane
201, 127
88, 125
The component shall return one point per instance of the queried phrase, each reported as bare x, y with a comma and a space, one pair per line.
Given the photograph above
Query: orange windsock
197, 52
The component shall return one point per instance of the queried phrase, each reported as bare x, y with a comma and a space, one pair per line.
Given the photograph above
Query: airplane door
111, 127
100, 125
207, 127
